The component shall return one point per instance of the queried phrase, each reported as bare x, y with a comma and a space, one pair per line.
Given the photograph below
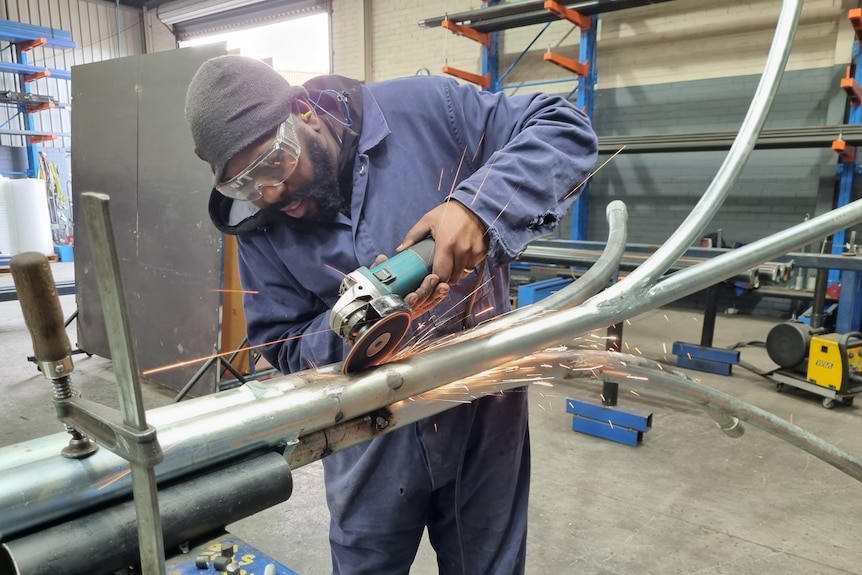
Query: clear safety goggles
271, 168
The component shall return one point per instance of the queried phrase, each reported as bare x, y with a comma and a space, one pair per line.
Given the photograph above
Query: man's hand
429, 293
459, 237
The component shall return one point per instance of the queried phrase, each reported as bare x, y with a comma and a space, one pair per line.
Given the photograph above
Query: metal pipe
39, 460
708, 330
527, 12
307, 402
591, 282
750, 255
692, 227
716, 400
107, 540
819, 301
565, 368
112, 294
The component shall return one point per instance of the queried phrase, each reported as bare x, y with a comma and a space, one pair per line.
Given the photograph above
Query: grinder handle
425, 251
40, 304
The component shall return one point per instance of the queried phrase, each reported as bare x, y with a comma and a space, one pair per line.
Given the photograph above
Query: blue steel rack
849, 315
23, 38
606, 421
585, 69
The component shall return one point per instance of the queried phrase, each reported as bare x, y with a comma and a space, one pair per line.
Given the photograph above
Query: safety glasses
271, 168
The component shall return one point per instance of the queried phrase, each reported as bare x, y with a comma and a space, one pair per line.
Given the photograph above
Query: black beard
323, 189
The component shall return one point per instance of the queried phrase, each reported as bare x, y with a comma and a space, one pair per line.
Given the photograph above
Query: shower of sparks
411, 346
503, 210
587, 179
440, 181
695, 319
664, 347
339, 272
488, 167
639, 351
666, 318
113, 479
633, 392
628, 322
252, 292
478, 146
627, 345
457, 172
188, 362
487, 310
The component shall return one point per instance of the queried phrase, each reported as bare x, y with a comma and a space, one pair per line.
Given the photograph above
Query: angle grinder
371, 314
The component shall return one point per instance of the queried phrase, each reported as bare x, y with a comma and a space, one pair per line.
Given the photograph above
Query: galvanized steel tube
692, 227
307, 402
318, 401
106, 540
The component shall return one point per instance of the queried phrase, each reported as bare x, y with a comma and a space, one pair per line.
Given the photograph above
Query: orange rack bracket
567, 63
573, 16
849, 85
482, 38
30, 44
855, 17
845, 153
32, 108
39, 139
35, 76
483, 81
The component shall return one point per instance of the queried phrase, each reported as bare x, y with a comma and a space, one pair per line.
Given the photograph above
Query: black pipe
708, 331
610, 389
106, 541
819, 301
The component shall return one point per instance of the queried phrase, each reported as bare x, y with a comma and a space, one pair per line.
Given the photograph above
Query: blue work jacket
514, 161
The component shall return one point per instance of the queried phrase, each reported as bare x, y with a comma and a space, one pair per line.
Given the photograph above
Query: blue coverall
512, 161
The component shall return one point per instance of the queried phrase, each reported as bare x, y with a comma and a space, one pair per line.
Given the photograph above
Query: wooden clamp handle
40, 304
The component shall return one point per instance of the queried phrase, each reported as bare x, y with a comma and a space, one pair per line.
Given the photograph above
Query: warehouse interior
712, 427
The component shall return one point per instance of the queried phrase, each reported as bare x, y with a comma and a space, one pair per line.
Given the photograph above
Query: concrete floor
689, 500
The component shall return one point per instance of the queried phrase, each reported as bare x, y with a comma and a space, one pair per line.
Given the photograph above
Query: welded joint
394, 380
105, 426
735, 430
290, 443
380, 420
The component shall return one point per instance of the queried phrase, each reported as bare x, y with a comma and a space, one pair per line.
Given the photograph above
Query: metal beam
506, 16
770, 139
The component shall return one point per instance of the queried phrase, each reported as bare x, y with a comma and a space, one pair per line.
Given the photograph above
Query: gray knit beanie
233, 101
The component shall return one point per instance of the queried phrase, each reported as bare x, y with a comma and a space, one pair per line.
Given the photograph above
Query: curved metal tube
310, 401
692, 227
586, 286
594, 279
562, 368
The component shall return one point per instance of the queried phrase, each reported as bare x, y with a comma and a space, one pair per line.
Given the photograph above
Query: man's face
310, 194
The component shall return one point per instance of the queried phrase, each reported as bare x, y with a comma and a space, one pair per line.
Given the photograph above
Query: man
319, 180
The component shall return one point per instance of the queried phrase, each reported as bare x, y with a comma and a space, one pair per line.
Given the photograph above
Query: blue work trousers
382, 494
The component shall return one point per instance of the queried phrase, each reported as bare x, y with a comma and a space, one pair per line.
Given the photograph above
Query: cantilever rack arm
515, 15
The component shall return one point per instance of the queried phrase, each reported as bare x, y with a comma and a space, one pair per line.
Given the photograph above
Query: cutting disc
377, 342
